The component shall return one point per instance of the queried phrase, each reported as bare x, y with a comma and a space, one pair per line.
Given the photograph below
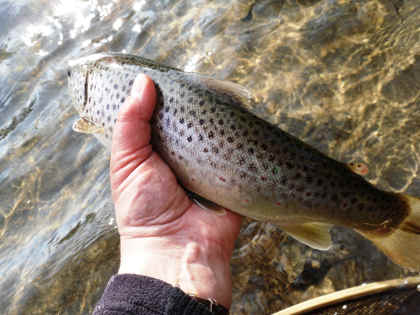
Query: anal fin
315, 234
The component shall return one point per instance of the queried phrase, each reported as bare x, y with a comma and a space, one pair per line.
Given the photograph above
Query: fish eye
68, 73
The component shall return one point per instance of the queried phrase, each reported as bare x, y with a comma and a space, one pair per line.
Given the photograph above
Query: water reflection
341, 75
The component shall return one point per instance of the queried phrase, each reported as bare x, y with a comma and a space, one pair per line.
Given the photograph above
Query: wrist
199, 268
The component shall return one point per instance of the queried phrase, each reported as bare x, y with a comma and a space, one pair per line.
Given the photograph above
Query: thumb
132, 130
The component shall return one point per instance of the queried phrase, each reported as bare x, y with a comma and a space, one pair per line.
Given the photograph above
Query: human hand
164, 234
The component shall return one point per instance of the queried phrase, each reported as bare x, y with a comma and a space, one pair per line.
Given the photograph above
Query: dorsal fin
237, 92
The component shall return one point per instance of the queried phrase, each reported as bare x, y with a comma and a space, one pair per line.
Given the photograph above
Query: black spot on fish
251, 151
201, 103
201, 121
220, 122
213, 109
181, 121
190, 100
211, 135
205, 150
122, 99
200, 137
189, 125
192, 113
252, 167
229, 139
189, 139
131, 83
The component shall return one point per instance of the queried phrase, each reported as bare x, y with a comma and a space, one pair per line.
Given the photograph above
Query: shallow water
343, 76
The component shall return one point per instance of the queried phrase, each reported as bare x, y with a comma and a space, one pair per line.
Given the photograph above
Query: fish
225, 154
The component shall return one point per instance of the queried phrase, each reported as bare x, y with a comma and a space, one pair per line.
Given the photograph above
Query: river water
342, 75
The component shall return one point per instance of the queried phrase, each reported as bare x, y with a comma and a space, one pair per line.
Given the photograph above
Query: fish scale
223, 153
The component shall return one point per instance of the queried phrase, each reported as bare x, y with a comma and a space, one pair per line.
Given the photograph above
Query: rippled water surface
342, 75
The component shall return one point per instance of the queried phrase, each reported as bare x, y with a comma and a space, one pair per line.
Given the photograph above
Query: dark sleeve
134, 294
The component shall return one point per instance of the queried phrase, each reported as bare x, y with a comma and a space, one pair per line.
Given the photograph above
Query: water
343, 76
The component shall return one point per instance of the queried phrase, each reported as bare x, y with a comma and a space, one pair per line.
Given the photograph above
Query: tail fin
403, 245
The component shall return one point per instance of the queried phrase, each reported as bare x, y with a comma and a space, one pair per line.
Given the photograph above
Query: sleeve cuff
135, 294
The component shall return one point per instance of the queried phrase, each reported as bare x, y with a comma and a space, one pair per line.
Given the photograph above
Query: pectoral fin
83, 125
316, 235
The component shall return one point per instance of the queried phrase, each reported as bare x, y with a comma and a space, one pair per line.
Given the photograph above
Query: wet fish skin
229, 156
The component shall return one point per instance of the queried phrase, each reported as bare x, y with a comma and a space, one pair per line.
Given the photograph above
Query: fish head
80, 73
78, 76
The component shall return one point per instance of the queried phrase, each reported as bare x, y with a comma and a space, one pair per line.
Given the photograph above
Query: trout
223, 153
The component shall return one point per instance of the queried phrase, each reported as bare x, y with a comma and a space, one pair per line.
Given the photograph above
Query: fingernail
138, 85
